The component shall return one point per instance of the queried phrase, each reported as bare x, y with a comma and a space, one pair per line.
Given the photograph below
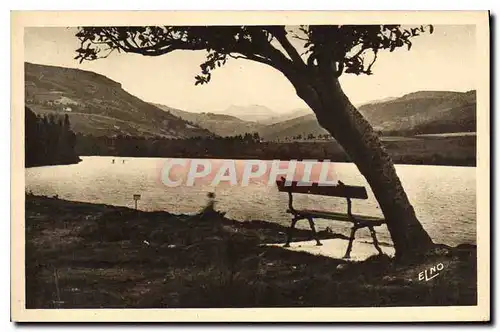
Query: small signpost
136, 198
56, 282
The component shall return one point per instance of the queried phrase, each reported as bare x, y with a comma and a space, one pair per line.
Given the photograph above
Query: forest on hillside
49, 140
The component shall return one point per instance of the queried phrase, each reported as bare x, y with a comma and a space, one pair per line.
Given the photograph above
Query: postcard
250, 166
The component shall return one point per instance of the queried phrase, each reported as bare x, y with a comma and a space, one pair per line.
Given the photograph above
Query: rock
440, 250
341, 267
388, 278
394, 280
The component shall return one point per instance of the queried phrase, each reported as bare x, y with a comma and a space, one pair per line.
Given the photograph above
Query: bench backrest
340, 190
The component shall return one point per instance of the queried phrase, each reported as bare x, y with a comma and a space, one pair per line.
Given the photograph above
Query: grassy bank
81, 255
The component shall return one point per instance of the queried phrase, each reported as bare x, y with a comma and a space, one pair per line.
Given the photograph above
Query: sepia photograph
274, 161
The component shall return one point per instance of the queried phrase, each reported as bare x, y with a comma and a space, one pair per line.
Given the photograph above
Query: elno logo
431, 273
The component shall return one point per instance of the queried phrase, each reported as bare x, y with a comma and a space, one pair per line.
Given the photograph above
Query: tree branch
265, 53
252, 58
280, 35
369, 69
363, 48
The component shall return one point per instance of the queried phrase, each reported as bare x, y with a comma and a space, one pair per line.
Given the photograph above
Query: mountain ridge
420, 112
217, 123
98, 105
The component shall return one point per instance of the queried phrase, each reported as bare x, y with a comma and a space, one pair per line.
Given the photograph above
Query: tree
312, 58
49, 140
32, 144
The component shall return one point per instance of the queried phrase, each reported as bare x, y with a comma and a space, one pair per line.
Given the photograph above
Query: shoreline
449, 151
243, 159
69, 162
117, 257
466, 163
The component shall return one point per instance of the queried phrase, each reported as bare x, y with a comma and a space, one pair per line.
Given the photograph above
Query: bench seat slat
356, 192
340, 216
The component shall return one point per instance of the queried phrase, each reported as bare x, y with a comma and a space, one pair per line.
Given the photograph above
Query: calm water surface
444, 197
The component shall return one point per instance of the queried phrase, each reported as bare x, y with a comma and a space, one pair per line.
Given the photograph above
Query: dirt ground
81, 255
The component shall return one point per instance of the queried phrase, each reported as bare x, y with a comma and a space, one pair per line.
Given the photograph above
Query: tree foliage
49, 140
292, 50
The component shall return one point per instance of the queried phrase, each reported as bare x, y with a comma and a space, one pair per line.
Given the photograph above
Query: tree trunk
342, 120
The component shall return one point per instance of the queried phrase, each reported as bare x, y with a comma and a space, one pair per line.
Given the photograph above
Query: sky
444, 60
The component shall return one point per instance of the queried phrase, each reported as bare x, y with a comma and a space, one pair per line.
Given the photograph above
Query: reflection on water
444, 197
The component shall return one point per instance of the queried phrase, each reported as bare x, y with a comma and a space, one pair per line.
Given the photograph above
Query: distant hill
97, 105
219, 124
289, 116
254, 113
423, 112
303, 125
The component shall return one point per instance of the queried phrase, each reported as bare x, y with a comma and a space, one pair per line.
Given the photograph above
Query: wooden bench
340, 190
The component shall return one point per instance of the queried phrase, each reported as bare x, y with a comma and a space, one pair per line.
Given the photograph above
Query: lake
444, 197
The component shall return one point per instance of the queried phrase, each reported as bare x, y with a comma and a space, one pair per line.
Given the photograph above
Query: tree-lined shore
49, 140
451, 151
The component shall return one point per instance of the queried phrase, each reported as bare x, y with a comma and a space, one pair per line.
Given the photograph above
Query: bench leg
375, 241
290, 230
311, 224
351, 239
